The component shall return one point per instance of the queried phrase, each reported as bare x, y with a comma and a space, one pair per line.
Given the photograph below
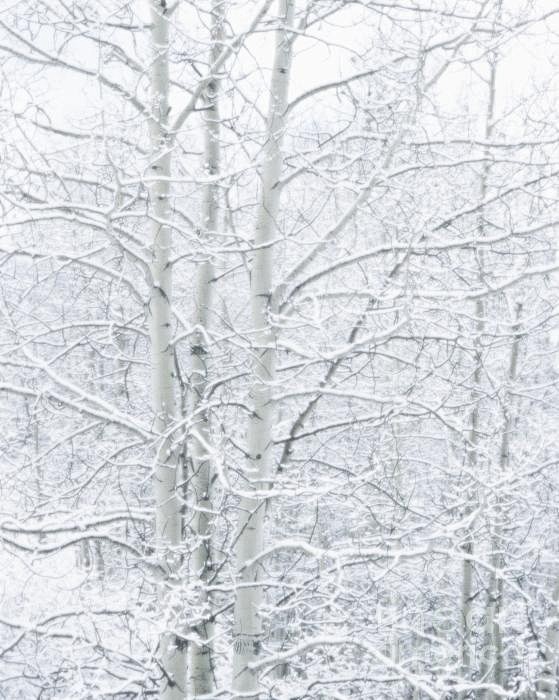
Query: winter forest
279, 349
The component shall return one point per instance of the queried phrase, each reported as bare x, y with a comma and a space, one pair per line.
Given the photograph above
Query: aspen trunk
250, 531
468, 544
168, 520
468, 547
202, 677
547, 685
467, 578
492, 670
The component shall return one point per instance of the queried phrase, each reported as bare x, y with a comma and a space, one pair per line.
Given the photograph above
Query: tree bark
547, 685
250, 531
168, 518
202, 676
468, 547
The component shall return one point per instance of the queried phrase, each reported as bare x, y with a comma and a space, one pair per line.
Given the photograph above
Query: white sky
529, 66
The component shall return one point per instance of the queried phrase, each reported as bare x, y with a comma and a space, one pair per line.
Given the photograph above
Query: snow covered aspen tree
492, 668
168, 512
547, 684
247, 629
199, 483
474, 447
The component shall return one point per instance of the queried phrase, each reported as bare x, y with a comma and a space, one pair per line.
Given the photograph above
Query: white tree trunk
202, 677
168, 520
492, 669
466, 612
468, 544
468, 547
547, 685
250, 532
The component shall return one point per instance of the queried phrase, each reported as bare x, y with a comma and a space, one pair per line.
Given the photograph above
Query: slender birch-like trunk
547, 685
202, 677
492, 667
168, 518
468, 546
250, 531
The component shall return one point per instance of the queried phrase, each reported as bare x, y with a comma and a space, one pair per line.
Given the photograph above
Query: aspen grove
279, 349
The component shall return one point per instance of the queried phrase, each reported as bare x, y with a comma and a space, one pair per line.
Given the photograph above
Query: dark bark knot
198, 350
245, 646
181, 643
161, 291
